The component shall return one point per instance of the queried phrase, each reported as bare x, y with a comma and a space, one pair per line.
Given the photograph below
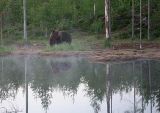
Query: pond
34, 84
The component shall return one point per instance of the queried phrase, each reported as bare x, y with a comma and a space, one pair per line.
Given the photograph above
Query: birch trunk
132, 19
148, 19
140, 24
107, 19
1, 30
25, 20
94, 6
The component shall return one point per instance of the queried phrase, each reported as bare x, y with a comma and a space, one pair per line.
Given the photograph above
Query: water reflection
126, 87
26, 83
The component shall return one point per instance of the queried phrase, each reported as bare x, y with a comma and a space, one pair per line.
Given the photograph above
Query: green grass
75, 46
5, 49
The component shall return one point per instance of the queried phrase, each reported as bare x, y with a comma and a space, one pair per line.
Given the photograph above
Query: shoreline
101, 55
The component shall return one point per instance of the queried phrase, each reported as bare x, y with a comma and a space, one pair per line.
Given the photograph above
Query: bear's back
65, 37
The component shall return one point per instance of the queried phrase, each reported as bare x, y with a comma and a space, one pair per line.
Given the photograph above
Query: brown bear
58, 37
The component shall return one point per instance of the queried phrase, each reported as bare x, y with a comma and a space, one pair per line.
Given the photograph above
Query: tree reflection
50, 75
10, 78
44, 76
108, 88
123, 77
41, 82
26, 82
94, 78
150, 84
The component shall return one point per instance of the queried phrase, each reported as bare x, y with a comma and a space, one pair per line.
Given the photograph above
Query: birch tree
133, 3
25, 20
140, 27
94, 8
148, 19
1, 24
107, 19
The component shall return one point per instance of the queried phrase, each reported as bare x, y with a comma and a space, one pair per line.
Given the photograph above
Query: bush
63, 24
96, 26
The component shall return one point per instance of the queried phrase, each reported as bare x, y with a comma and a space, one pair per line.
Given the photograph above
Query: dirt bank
124, 54
109, 54
99, 55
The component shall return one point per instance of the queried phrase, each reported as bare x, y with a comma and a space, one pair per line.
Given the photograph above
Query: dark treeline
88, 15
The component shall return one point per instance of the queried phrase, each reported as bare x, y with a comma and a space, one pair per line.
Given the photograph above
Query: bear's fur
58, 37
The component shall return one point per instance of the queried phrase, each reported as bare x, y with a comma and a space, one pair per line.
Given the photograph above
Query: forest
87, 15
90, 23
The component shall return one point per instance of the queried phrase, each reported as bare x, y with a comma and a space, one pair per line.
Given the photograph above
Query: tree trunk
1, 30
107, 19
140, 24
94, 8
2, 67
148, 19
133, 19
25, 21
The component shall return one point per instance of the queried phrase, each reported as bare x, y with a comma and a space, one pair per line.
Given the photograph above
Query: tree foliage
43, 16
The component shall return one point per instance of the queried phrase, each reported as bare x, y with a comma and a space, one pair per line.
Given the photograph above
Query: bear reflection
58, 67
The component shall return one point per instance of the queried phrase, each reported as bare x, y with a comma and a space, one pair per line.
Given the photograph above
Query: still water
33, 84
